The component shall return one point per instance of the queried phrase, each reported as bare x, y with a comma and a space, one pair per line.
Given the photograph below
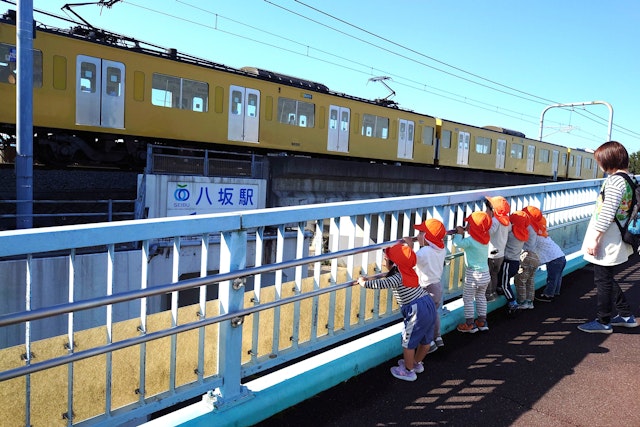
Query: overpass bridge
256, 312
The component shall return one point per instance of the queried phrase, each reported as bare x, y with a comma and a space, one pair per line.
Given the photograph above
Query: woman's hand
593, 245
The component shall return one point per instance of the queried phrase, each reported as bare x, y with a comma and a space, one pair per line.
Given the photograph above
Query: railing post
233, 254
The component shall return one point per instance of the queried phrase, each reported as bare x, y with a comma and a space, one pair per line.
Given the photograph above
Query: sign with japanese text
192, 198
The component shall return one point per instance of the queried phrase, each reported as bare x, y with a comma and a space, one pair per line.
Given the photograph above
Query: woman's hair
612, 156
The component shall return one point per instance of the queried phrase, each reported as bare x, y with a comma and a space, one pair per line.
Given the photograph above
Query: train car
101, 98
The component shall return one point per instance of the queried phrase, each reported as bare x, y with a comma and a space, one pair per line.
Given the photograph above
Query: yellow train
101, 98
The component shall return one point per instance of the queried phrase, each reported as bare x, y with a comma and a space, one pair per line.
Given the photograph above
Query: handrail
25, 316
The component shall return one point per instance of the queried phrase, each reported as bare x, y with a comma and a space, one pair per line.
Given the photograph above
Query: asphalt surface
534, 369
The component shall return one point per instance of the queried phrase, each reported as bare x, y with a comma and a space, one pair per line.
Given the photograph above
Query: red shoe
467, 328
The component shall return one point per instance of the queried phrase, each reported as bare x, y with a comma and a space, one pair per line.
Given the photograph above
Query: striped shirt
404, 294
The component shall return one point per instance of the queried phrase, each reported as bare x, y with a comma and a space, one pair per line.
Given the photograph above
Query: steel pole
574, 104
24, 116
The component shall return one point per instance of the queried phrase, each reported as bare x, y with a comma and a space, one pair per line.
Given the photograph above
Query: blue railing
108, 323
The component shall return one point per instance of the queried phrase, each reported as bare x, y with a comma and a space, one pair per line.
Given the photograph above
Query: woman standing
603, 245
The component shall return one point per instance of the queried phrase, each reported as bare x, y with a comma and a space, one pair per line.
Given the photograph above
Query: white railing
108, 323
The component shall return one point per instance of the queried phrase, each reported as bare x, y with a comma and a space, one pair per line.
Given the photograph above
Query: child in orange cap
430, 265
416, 306
529, 262
515, 242
551, 255
476, 277
498, 209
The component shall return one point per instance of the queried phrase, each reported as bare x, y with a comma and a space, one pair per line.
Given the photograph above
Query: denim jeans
609, 293
554, 276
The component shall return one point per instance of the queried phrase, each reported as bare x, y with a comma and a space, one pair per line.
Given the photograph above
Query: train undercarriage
56, 148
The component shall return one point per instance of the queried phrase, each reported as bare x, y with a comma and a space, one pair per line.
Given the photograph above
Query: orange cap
405, 259
538, 222
519, 225
434, 231
500, 208
479, 225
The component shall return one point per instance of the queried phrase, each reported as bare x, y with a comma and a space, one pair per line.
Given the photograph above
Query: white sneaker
418, 368
402, 374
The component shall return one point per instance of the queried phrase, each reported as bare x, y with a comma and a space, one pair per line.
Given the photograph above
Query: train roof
88, 33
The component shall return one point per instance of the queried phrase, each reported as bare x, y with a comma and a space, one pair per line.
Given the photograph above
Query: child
476, 250
517, 237
498, 209
550, 254
429, 266
529, 262
416, 306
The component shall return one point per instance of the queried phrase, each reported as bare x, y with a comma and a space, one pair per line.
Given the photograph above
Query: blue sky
493, 62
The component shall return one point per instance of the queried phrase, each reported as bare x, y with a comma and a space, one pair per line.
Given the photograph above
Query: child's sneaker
619, 321
467, 328
402, 374
525, 305
482, 326
439, 342
543, 298
418, 368
432, 347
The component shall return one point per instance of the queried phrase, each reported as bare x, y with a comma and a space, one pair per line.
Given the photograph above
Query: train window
114, 81
483, 145
176, 92
296, 113
571, 161
252, 105
344, 122
197, 95
516, 151
164, 89
375, 126
333, 119
543, 155
587, 163
427, 135
236, 103
8, 65
445, 139
88, 77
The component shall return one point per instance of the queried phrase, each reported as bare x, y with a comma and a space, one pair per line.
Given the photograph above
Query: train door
99, 92
244, 114
463, 148
338, 138
531, 157
578, 166
405, 139
501, 151
554, 164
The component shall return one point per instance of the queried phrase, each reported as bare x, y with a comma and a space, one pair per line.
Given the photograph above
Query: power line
465, 100
423, 55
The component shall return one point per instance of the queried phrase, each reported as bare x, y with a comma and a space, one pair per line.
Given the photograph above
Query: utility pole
24, 115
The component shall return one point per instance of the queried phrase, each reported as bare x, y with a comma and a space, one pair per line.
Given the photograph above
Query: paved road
535, 369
